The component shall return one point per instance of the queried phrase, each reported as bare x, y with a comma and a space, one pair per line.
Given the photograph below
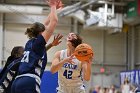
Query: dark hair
76, 42
17, 51
34, 30
126, 81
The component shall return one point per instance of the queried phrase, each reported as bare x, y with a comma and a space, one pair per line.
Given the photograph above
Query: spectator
125, 87
97, 89
112, 89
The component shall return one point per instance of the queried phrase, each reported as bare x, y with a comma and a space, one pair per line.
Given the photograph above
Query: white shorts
78, 89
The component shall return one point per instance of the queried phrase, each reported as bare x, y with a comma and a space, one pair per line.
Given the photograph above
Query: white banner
132, 80
137, 78
122, 77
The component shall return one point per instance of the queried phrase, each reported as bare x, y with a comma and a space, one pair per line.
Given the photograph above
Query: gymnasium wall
1, 38
109, 53
137, 47
13, 36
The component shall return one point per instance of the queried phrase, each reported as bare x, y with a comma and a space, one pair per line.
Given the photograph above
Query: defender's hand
56, 40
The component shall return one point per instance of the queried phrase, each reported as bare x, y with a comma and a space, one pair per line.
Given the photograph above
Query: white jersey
70, 74
126, 88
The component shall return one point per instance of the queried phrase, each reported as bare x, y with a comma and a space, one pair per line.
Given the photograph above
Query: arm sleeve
5, 67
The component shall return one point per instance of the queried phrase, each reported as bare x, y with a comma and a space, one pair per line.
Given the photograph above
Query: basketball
83, 52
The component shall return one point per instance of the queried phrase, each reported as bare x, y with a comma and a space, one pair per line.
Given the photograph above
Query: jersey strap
62, 54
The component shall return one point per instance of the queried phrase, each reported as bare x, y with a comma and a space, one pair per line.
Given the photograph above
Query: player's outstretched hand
52, 2
69, 59
89, 61
57, 3
57, 40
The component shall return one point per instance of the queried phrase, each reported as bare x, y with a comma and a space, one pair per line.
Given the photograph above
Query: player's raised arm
51, 21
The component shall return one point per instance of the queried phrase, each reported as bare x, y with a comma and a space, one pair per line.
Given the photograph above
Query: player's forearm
47, 20
52, 24
53, 14
56, 67
49, 46
87, 73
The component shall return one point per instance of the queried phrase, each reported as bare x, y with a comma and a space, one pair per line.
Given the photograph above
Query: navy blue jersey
35, 57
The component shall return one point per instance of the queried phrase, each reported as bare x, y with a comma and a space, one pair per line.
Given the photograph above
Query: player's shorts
25, 84
79, 89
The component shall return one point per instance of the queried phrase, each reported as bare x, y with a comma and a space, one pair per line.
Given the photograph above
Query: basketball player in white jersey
71, 71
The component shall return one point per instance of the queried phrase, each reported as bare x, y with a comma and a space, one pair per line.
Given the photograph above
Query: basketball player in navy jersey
16, 54
71, 71
35, 59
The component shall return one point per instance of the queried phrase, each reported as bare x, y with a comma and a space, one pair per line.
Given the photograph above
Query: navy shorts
24, 84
